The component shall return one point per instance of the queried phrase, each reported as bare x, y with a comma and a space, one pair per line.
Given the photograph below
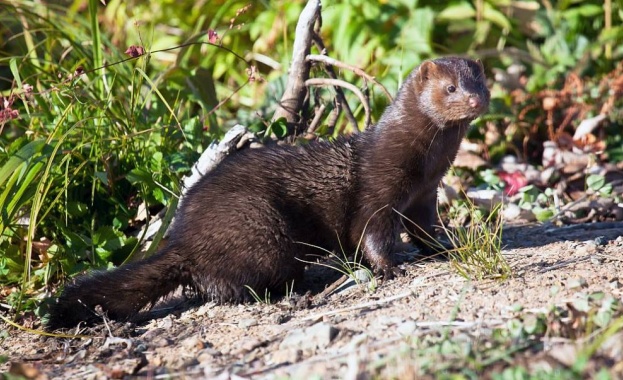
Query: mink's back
310, 186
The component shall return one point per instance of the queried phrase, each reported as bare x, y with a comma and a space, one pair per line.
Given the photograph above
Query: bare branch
334, 62
294, 94
317, 117
341, 99
341, 83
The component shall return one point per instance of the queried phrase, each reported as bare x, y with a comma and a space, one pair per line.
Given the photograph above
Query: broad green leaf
542, 214
595, 181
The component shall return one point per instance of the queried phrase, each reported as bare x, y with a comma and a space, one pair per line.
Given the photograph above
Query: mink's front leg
378, 241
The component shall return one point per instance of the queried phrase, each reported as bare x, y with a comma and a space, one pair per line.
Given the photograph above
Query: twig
340, 98
294, 94
223, 101
317, 117
341, 83
358, 307
334, 62
565, 263
334, 116
587, 226
329, 289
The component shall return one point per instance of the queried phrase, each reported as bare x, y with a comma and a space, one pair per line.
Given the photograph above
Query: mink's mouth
470, 114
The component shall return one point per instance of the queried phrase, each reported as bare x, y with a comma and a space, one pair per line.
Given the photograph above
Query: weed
477, 248
266, 300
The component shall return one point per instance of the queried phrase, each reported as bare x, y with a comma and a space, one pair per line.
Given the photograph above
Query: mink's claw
392, 272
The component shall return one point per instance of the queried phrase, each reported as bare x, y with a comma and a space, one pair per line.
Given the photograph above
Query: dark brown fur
244, 224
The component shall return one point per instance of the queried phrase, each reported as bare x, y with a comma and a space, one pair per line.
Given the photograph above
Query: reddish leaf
514, 181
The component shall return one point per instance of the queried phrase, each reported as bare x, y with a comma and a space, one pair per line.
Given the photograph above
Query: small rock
166, 323
577, 283
247, 322
125, 367
511, 211
565, 354
587, 248
407, 328
140, 348
615, 284
26, 371
613, 347
194, 343
597, 260
281, 318
286, 356
152, 334
207, 355
387, 321
358, 277
319, 335
161, 342
250, 344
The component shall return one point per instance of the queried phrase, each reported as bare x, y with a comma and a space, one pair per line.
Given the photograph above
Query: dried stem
341, 83
341, 99
334, 62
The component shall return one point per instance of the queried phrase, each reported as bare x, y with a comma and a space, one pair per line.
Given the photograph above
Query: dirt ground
351, 333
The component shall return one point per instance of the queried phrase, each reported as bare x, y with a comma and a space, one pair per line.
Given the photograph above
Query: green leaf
23, 155
279, 127
77, 209
595, 181
457, 11
496, 17
542, 214
138, 175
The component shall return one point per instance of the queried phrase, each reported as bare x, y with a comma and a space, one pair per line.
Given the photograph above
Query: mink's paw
392, 272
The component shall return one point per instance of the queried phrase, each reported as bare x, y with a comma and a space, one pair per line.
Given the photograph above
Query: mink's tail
120, 293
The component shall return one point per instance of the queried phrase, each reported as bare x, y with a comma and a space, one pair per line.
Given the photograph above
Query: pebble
319, 335
577, 283
407, 328
247, 322
286, 356
193, 343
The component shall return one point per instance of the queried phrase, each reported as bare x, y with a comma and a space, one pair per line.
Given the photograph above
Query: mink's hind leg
251, 249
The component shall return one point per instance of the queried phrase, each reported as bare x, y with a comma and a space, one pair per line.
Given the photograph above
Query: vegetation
95, 135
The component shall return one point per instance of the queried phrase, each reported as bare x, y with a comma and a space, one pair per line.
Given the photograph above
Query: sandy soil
350, 333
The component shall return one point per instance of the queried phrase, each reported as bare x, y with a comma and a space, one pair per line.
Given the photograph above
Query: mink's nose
475, 102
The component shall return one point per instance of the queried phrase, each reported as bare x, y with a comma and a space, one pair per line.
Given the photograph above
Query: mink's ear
426, 70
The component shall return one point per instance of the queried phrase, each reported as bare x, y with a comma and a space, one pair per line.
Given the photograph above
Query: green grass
87, 150
477, 247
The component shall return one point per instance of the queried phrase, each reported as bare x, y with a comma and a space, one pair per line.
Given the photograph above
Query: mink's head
451, 90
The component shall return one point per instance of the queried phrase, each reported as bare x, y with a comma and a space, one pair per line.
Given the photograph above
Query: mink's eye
451, 88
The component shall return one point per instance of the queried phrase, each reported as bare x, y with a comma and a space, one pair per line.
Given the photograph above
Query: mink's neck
406, 137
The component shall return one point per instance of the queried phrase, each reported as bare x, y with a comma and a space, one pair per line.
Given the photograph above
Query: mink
255, 219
